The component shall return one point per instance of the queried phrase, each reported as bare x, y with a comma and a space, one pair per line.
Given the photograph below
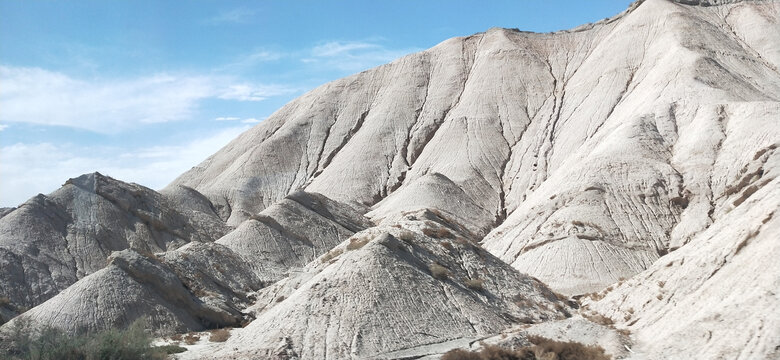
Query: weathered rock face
597, 150
390, 292
135, 286
641, 147
717, 296
203, 285
291, 233
53, 240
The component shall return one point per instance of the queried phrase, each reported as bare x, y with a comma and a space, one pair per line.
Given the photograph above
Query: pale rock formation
51, 241
636, 155
135, 286
596, 150
717, 296
292, 232
390, 291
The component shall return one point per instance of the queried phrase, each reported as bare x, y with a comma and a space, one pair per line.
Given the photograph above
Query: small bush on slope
53, 344
220, 335
543, 349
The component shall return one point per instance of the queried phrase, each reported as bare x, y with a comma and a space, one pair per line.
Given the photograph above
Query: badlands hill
492, 187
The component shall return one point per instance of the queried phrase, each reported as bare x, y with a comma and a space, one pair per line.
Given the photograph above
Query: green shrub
53, 344
171, 349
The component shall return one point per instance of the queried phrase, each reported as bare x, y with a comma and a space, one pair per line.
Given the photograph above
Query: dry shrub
599, 319
357, 243
660, 297
447, 245
280, 299
475, 284
176, 337
330, 255
219, 335
439, 272
406, 236
523, 302
191, 339
565, 350
543, 349
4, 301
440, 233
661, 284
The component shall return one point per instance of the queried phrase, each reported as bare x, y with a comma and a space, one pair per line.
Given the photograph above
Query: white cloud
252, 60
250, 92
237, 16
251, 121
352, 56
33, 95
29, 169
3, 127
338, 48
227, 118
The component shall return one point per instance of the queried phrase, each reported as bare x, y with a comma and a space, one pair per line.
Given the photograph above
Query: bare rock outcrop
389, 292
292, 232
134, 286
716, 296
595, 150
51, 241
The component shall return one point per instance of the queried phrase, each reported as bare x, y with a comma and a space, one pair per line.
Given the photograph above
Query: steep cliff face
594, 151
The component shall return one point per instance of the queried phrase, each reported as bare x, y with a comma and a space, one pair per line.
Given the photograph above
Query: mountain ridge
594, 164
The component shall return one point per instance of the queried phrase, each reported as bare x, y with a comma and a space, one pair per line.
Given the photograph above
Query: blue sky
143, 90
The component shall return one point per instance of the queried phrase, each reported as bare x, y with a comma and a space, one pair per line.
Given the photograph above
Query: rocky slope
391, 292
593, 164
444, 199
51, 241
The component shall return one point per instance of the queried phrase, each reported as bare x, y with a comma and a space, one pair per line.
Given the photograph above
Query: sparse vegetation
219, 335
330, 255
447, 245
439, 272
598, 319
171, 349
357, 243
53, 344
5, 301
542, 348
280, 299
406, 236
191, 339
661, 284
440, 233
475, 284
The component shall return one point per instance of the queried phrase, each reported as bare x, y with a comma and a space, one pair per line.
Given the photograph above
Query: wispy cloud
3, 127
251, 92
340, 48
243, 121
249, 61
236, 16
352, 56
38, 96
28, 169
